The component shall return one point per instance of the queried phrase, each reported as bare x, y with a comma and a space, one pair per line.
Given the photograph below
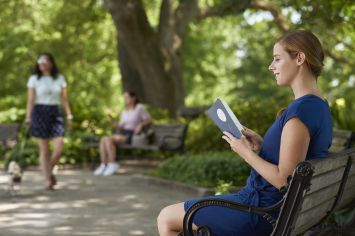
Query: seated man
132, 120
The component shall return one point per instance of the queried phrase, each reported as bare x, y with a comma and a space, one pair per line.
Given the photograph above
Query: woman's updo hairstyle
306, 42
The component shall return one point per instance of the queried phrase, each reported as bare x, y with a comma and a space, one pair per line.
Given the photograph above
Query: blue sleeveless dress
315, 114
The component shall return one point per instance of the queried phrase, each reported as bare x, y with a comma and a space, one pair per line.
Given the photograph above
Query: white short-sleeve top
131, 118
48, 90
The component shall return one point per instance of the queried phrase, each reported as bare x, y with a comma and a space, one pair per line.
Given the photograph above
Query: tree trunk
146, 67
150, 61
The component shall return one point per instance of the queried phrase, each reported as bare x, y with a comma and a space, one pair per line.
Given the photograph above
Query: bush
205, 169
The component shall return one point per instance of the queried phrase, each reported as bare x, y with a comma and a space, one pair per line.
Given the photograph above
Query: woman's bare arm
295, 139
31, 97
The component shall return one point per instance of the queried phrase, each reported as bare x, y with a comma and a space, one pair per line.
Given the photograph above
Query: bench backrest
342, 139
169, 137
8, 134
349, 188
315, 190
325, 190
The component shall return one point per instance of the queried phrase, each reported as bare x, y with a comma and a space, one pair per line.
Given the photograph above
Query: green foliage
344, 216
81, 36
205, 169
223, 187
341, 218
342, 113
224, 57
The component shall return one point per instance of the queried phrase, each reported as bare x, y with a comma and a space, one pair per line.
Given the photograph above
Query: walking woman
46, 93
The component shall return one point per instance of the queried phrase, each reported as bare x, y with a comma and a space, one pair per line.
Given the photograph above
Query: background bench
316, 189
342, 139
9, 135
161, 137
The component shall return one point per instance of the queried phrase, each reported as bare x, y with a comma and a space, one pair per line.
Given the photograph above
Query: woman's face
129, 100
44, 64
283, 66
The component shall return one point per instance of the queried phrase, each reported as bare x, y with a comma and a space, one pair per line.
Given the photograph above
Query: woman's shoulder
32, 81
33, 77
60, 77
140, 106
308, 102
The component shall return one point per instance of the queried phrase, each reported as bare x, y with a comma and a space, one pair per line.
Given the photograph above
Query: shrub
205, 169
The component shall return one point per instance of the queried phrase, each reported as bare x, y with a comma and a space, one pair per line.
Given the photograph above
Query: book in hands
224, 118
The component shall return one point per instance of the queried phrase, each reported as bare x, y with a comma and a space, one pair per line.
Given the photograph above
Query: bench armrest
188, 219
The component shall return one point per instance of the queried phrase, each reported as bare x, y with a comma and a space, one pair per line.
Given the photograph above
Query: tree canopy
222, 49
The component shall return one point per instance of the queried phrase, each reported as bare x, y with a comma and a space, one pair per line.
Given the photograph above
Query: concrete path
83, 205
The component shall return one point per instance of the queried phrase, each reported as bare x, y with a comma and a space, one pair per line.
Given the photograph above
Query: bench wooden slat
339, 141
169, 137
311, 217
342, 139
332, 162
346, 134
323, 195
336, 148
326, 179
143, 147
348, 194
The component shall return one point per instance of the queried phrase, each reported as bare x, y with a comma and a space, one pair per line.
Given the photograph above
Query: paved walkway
83, 205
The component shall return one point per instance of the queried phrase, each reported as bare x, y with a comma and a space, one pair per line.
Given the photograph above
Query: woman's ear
300, 58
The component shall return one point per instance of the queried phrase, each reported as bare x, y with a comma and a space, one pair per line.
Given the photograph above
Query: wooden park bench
342, 139
161, 137
316, 189
169, 137
9, 135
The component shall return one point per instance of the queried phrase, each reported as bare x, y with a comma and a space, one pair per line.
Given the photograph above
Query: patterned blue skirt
47, 121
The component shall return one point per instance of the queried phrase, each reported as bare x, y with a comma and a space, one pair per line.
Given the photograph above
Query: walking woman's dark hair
54, 68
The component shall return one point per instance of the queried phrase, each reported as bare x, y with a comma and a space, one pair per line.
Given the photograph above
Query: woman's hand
70, 124
254, 139
28, 121
241, 146
138, 129
112, 115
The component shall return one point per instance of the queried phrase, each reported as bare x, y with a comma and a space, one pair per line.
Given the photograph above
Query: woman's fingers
229, 135
247, 132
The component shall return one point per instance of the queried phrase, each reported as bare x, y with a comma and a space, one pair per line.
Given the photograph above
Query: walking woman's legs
58, 147
44, 159
170, 220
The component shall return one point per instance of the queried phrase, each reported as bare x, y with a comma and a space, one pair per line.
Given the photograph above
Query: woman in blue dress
303, 131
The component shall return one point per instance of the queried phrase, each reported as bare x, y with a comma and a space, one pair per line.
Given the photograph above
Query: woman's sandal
53, 181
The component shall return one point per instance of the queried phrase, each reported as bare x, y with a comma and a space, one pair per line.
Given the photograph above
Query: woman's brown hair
133, 95
306, 42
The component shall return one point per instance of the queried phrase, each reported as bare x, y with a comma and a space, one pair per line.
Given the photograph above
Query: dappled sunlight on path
83, 205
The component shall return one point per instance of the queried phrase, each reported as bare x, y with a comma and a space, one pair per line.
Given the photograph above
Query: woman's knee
163, 218
104, 139
171, 217
43, 147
